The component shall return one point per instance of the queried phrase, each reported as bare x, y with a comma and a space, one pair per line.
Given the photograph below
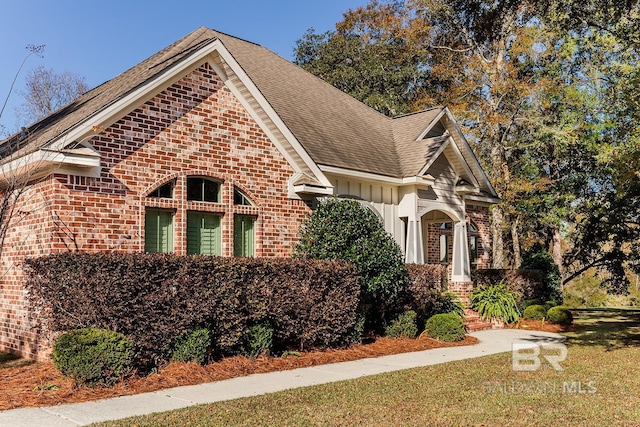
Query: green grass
603, 359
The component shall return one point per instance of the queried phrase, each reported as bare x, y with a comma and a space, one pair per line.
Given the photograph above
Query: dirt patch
40, 384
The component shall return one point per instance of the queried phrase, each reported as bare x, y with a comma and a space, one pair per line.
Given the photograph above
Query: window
243, 235
164, 192
473, 249
158, 229
203, 234
444, 248
203, 190
240, 199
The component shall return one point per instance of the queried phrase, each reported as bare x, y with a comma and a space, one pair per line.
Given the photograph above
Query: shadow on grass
609, 328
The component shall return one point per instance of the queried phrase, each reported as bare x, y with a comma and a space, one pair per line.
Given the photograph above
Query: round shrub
535, 312
347, 230
404, 326
258, 340
522, 305
93, 356
560, 315
192, 346
445, 327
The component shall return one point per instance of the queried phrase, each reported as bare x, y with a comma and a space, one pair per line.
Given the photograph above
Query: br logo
528, 356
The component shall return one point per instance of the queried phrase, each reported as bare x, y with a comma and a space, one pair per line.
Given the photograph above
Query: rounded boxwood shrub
403, 326
445, 327
560, 315
258, 340
192, 346
535, 312
93, 356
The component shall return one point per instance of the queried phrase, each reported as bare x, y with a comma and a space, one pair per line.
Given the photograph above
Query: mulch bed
538, 325
40, 384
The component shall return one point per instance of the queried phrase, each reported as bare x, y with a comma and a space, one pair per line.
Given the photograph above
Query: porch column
413, 252
461, 267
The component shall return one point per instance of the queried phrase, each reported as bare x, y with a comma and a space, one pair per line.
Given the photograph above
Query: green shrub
404, 326
560, 315
445, 327
535, 312
358, 329
522, 305
542, 261
346, 230
93, 356
495, 301
192, 346
258, 340
549, 304
435, 302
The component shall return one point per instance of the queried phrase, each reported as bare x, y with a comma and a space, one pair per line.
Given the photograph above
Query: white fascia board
431, 125
46, 159
85, 128
465, 165
271, 113
310, 189
485, 178
482, 199
413, 180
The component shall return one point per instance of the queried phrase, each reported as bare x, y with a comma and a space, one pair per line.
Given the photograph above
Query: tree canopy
544, 91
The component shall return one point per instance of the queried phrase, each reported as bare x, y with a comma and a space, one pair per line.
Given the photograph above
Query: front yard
599, 386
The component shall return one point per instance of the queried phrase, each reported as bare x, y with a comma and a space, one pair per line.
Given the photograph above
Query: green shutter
158, 230
203, 234
243, 236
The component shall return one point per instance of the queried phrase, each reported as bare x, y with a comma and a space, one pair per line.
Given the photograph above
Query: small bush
404, 326
495, 302
358, 329
445, 327
438, 303
522, 305
93, 356
192, 346
258, 340
560, 315
535, 312
549, 304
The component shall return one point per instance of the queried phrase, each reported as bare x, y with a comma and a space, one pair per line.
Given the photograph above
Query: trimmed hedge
560, 315
403, 326
155, 298
192, 346
93, 356
445, 327
535, 312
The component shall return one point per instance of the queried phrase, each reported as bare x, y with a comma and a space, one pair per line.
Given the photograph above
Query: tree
346, 230
46, 91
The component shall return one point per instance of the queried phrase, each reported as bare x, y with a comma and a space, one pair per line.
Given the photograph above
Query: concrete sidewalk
79, 414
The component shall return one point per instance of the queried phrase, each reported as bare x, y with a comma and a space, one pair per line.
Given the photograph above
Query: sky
99, 40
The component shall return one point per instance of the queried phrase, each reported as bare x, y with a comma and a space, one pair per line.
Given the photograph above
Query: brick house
216, 145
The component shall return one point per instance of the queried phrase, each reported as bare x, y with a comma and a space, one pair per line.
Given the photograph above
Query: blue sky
99, 40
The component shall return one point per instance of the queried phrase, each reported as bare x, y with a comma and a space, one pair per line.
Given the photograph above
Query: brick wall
194, 127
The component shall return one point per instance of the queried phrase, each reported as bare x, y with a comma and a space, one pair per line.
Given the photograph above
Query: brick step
474, 322
479, 326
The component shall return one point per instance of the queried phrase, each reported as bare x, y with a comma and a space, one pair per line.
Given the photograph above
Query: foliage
346, 230
403, 326
495, 302
93, 356
154, 298
551, 278
258, 340
445, 327
192, 346
535, 312
560, 315
424, 281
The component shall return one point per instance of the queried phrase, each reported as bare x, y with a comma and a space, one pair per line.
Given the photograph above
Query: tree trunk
517, 256
556, 251
497, 221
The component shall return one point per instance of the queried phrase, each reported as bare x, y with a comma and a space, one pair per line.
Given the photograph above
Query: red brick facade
196, 127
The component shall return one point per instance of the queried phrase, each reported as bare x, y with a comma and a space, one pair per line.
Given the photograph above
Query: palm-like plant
495, 302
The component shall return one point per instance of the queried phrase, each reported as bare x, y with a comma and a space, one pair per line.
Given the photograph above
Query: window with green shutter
203, 234
158, 231
244, 235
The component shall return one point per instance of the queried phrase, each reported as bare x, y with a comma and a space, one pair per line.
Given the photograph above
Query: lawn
599, 386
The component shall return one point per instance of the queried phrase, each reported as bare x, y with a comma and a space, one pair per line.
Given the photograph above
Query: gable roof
325, 126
